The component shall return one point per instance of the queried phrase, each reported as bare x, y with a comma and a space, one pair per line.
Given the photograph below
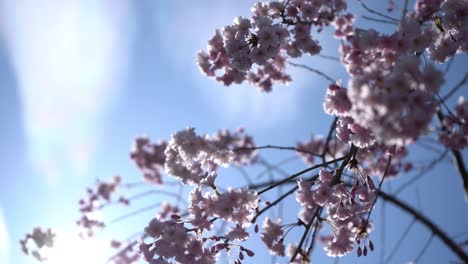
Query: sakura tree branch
306, 232
427, 223
457, 159
377, 12
383, 21
134, 213
456, 87
329, 136
378, 189
451, 244
279, 199
280, 148
425, 247
300, 173
313, 70
314, 234
328, 57
422, 172
400, 240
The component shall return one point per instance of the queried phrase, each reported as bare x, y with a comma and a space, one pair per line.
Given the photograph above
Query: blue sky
78, 81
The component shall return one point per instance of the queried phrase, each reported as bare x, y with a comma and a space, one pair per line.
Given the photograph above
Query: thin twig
426, 246
286, 194
378, 189
400, 240
279, 148
379, 20
376, 12
452, 245
134, 213
422, 172
318, 72
449, 64
278, 165
329, 136
458, 160
456, 87
405, 10
328, 57
306, 231
300, 173
314, 234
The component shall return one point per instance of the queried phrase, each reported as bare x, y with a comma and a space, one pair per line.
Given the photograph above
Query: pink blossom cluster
391, 95
346, 210
194, 159
452, 24
454, 133
273, 236
41, 238
96, 198
235, 205
149, 158
276, 29
173, 241
241, 143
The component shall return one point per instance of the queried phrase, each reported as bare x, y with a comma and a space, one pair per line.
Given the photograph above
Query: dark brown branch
409, 210
300, 173
384, 21
457, 160
304, 236
379, 188
421, 173
280, 148
286, 194
328, 57
456, 87
329, 136
427, 223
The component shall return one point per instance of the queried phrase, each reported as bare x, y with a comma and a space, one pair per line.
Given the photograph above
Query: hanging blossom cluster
454, 133
149, 158
346, 210
450, 18
390, 96
41, 238
193, 159
276, 29
273, 236
97, 197
173, 239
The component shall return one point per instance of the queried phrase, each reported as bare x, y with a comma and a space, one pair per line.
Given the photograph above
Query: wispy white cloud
4, 239
69, 57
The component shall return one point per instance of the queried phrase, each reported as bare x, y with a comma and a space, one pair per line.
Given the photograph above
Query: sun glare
75, 250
